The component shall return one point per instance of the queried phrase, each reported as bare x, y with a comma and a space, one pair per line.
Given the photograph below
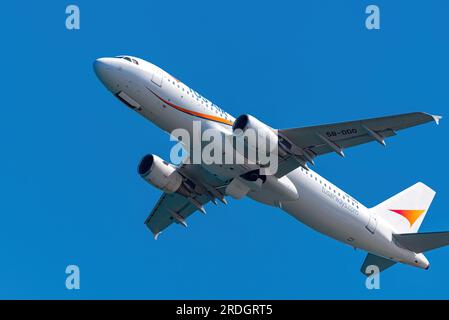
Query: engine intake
241, 122
145, 165
256, 135
160, 173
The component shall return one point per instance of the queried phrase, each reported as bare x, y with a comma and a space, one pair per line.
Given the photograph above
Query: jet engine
255, 133
164, 176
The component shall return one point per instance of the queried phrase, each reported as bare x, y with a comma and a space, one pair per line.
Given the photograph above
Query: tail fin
406, 210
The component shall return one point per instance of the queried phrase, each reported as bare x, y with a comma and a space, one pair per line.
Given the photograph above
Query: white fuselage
170, 105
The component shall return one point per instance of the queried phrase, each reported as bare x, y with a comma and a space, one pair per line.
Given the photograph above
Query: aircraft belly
315, 209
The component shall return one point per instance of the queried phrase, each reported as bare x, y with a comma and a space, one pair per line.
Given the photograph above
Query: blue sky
70, 191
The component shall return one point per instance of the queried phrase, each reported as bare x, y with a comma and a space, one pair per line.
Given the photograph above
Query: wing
172, 208
313, 141
175, 208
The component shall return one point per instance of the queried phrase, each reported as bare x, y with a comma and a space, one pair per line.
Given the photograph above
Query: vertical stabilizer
406, 210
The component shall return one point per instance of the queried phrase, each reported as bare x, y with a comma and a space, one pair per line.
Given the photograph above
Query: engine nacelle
266, 136
160, 174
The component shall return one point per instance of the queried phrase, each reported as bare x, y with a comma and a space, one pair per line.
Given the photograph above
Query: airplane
388, 232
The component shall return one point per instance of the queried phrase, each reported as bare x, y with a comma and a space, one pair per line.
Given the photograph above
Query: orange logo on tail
410, 215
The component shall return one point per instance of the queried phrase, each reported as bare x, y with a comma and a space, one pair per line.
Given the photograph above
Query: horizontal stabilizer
373, 260
423, 242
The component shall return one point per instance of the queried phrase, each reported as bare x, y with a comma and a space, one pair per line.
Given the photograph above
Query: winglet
437, 118
156, 235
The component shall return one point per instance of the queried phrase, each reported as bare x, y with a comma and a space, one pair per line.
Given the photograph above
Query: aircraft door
157, 78
372, 223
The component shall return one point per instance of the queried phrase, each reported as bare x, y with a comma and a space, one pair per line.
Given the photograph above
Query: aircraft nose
99, 65
105, 69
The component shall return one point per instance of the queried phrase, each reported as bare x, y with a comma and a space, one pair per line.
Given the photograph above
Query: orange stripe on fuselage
194, 113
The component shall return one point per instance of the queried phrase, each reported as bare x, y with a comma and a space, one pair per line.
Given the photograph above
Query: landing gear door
157, 78
372, 224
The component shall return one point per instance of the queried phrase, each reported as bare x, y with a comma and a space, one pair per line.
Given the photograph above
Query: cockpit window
129, 59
